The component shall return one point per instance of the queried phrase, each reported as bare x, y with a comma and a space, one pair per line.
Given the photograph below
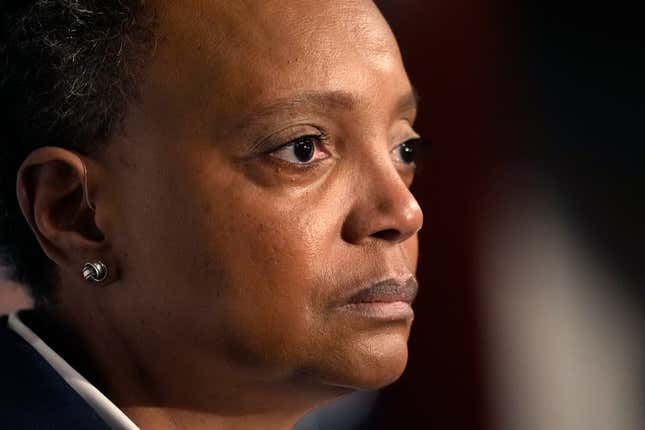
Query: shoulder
32, 394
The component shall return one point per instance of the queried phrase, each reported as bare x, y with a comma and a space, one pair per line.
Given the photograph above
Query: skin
227, 260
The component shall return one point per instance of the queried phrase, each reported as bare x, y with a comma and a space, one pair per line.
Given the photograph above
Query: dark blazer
33, 395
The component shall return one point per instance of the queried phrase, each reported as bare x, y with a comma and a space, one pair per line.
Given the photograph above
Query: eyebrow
408, 102
333, 100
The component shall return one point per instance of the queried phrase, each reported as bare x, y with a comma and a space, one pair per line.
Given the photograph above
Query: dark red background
452, 51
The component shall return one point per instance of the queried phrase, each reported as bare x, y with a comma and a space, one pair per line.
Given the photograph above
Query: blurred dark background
530, 311
536, 113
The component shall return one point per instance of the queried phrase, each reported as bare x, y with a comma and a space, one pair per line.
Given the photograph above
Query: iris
303, 149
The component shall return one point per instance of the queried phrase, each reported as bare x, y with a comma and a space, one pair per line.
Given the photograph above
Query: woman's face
261, 182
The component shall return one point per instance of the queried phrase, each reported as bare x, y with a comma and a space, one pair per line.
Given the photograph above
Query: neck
162, 389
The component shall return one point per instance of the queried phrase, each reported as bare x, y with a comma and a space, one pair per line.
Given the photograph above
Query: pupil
304, 149
407, 153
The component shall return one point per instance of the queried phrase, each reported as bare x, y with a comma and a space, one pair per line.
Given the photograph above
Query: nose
383, 208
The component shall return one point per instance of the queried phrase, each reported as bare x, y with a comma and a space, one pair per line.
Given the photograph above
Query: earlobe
54, 196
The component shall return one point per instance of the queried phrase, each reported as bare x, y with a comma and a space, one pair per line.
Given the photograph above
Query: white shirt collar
113, 416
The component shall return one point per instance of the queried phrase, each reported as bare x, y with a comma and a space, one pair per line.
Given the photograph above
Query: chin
368, 363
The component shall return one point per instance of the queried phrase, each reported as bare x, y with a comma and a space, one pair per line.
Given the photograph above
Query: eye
407, 151
302, 150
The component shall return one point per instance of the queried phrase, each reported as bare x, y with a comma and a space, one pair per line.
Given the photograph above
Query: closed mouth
387, 291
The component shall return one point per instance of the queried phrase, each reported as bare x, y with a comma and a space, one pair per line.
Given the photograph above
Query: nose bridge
389, 191
385, 207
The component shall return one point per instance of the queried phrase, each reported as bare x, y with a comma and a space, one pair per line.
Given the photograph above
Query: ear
53, 188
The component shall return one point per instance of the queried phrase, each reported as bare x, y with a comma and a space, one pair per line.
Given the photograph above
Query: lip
389, 290
389, 300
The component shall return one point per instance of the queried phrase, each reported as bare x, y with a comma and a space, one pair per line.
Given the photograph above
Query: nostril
389, 234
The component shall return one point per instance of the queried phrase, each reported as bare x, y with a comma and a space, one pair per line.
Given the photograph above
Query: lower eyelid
290, 167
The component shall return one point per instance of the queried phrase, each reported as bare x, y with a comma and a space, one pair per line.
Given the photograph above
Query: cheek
261, 238
411, 249
272, 251
222, 256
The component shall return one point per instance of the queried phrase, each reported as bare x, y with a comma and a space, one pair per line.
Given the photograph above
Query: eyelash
414, 144
318, 140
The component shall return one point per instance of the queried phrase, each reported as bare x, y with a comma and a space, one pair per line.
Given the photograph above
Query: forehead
279, 25
252, 51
